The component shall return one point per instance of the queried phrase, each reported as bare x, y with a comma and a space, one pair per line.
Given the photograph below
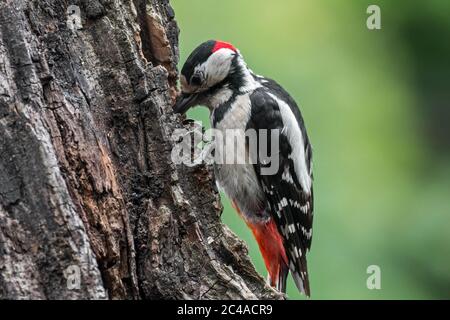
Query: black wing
289, 204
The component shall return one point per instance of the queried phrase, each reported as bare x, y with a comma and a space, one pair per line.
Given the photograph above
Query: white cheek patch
218, 65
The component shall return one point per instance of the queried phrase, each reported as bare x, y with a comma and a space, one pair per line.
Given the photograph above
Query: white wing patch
295, 137
286, 176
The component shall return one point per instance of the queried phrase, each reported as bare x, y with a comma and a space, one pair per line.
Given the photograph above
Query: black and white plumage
289, 192
215, 75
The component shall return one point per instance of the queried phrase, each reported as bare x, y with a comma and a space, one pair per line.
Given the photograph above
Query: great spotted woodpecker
278, 207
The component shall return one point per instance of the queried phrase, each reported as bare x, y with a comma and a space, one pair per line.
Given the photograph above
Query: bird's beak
184, 102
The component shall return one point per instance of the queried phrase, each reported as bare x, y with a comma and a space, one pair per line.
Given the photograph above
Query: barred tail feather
302, 285
280, 283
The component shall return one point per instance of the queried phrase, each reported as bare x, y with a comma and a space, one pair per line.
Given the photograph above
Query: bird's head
208, 68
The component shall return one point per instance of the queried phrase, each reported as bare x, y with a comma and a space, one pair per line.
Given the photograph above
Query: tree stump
91, 205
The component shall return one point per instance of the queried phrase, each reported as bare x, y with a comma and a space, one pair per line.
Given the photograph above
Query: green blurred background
376, 105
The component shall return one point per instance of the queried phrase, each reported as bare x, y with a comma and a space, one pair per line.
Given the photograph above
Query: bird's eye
196, 80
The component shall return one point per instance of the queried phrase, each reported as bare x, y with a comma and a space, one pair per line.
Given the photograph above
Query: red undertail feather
272, 250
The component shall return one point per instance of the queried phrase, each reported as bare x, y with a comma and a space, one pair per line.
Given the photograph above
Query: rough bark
86, 178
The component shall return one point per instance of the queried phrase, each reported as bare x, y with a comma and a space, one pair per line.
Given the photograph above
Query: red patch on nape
223, 45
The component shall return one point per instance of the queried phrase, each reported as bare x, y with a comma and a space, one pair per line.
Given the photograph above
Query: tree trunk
91, 205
